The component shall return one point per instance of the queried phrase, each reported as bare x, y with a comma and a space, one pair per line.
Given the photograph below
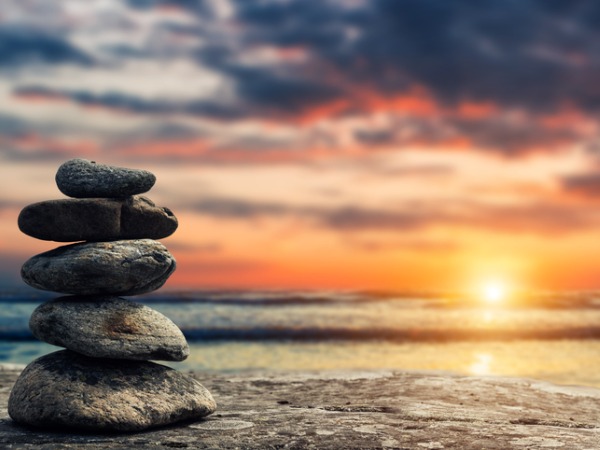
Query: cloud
195, 247
478, 76
586, 184
453, 52
13, 126
375, 136
231, 207
121, 101
30, 146
198, 6
415, 170
406, 244
10, 204
19, 46
353, 218
529, 217
222, 265
509, 133
455, 49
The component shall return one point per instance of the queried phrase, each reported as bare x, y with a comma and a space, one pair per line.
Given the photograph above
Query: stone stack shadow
104, 380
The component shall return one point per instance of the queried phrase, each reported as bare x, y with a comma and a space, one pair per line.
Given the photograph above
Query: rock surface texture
80, 178
97, 219
358, 410
108, 327
127, 267
79, 392
104, 381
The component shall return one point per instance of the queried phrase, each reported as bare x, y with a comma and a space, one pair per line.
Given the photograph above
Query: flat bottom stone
351, 410
68, 390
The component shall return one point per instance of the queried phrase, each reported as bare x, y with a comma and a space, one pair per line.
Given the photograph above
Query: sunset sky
379, 144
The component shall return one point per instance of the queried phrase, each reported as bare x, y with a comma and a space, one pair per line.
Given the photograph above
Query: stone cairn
104, 380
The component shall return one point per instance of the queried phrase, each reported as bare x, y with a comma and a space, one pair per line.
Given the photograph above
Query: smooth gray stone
81, 178
65, 389
108, 327
96, 219
101, 268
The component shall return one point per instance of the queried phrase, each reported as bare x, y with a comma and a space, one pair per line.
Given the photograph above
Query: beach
355, 409
339, 370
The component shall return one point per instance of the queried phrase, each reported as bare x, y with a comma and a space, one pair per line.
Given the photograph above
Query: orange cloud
416, 101
476, 110
318, 112
41, 97
35, 143
172, 149
568, 117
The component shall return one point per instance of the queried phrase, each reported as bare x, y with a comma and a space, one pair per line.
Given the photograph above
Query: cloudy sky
394, 144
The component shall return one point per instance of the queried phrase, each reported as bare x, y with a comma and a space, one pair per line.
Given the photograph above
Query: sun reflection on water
487, 316
482, 364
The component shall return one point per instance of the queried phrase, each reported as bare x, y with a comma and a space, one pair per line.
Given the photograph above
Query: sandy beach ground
345, 410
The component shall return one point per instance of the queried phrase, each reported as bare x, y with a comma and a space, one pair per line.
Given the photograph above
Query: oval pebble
128, 267
108, 327
81, 178
68, 390
96, 219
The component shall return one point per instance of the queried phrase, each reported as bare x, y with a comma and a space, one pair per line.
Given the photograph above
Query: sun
494, 292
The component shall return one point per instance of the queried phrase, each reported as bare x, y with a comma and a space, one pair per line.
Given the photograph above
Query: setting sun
494, 292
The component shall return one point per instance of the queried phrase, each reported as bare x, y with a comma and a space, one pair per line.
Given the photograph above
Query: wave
216, 297
423, 300
398, 335
362, 334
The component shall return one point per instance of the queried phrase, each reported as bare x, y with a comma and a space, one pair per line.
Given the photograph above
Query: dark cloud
415, 245
39, 152
531, 55
375, 136
497, 132
534, 56
529, 218
202, 7
532, 217
196, 248
224, 265
351, 218
13, 126
25, 45
586, 185
512, 137
156, 132
230, 207
127, 52
286, 94
512, 53
130, 103
9, 204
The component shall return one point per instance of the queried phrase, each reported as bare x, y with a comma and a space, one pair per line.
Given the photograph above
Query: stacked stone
104, 380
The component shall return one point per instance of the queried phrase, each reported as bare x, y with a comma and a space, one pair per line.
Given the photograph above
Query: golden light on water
481, 365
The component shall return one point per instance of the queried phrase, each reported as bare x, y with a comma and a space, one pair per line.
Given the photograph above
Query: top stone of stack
80, 178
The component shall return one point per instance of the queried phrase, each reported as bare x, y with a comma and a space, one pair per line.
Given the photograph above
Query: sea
546, 336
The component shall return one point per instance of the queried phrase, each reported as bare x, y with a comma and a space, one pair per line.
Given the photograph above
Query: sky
332, 144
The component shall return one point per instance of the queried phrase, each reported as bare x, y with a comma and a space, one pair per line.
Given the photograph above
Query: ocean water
549, 337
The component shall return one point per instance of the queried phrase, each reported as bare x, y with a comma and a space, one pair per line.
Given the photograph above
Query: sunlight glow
494, 292
482, 364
